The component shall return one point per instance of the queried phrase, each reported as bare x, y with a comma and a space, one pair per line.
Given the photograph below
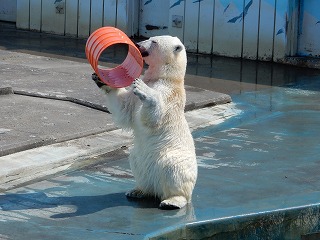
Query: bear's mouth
144, 54
143, 51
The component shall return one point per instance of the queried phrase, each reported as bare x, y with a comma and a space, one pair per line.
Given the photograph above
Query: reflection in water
234, 76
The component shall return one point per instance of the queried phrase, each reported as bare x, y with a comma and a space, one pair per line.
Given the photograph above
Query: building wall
268, 30
252, 29
309, 28
77, 17
153, 18
8, 10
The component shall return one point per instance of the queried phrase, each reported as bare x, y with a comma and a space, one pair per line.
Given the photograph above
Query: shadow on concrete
83, 205
52, 45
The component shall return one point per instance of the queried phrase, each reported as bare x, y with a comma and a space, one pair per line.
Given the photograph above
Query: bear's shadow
84, 204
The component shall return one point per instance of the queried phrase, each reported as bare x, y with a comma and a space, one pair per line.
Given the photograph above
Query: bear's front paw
97, 80
100, 84
140, 89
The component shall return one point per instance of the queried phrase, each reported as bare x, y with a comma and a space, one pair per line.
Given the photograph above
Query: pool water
269, 152
279, 123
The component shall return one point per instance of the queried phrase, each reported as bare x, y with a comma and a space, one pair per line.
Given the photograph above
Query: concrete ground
64, 166
50, 98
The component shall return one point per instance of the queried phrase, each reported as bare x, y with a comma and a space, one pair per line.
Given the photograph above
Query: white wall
153, 18
251, 29
8, 10
309, 29
77, 17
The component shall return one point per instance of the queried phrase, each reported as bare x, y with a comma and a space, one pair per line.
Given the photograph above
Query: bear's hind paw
135, 193
172, 203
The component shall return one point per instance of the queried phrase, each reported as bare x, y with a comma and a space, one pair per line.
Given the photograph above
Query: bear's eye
153, 41
178, 48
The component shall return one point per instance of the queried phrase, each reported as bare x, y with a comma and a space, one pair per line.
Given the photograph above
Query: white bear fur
162, 159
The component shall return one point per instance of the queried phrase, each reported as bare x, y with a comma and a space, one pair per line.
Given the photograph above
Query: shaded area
88, 204
52, 45
236, 76
221, 74
82, 205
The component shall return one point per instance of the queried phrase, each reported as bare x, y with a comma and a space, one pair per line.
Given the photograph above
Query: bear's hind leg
175, 202
136, 193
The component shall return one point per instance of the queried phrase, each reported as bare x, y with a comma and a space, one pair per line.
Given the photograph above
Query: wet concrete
258, 162
21, 168
236, 76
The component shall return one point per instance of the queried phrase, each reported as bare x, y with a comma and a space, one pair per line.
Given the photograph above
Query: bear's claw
100, 84
143, 91
97, 80
139, 89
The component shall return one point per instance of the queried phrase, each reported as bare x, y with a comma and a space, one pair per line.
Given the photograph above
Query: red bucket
122, 75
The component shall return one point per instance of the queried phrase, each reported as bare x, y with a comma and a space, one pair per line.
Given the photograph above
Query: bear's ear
177, 48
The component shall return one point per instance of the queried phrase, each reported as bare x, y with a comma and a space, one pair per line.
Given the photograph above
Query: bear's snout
143, 50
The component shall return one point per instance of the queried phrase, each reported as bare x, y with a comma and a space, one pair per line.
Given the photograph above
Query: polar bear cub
163, 159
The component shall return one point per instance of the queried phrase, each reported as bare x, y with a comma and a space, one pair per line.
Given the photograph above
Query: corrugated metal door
153, 18
309, 29
252, 29
76, 17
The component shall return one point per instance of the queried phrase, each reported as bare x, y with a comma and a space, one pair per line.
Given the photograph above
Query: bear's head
163, 50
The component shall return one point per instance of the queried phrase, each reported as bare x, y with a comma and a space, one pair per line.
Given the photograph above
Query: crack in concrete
62, 98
